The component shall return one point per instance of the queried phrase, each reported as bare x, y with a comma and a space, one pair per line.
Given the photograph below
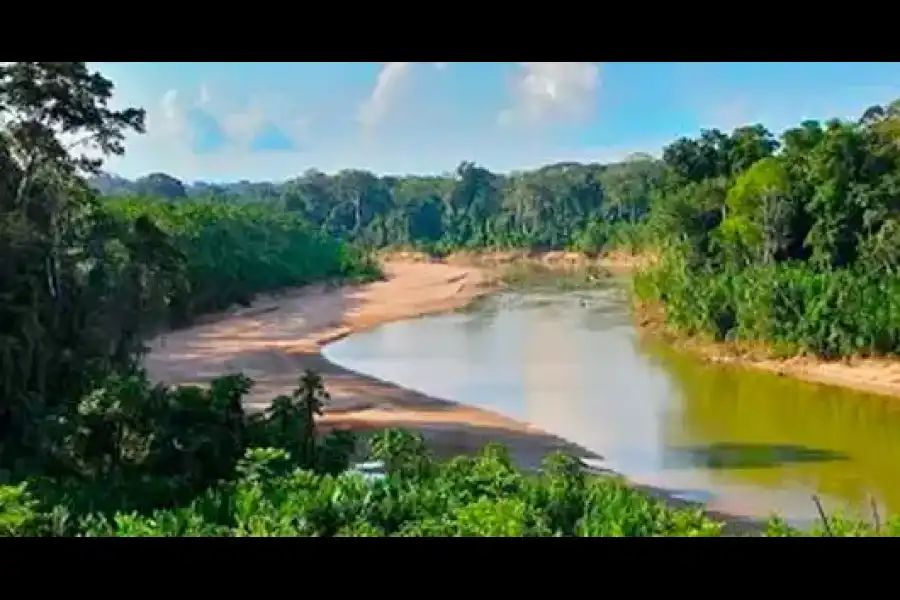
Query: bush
149, 461
828, 313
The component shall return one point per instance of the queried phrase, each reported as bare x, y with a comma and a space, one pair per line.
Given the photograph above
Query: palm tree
311, 397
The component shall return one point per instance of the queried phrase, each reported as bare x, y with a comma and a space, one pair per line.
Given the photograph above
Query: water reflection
571, 363
548, 366
746, 456
850, 440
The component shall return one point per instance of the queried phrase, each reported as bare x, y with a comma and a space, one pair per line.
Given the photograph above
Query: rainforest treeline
470, 208
793, 240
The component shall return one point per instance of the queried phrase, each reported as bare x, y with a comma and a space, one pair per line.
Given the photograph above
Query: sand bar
277, 337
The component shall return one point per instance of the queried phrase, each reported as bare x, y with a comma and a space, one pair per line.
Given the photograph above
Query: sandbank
278, 337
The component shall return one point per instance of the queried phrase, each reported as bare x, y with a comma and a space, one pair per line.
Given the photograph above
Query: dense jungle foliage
89, 447
153, 461
188, 462
799, 248
84, 282
470, 208
229, 253
792, 241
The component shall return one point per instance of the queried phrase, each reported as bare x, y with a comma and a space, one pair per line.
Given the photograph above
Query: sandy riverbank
278, 337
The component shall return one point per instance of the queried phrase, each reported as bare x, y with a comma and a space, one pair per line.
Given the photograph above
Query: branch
81, 141
27, 175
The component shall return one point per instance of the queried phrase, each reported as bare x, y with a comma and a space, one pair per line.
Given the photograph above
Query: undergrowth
142, 460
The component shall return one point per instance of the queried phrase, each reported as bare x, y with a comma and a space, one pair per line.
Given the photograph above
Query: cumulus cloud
169, 120
389, 84
203, 96
212, 133
202, 124
552, 91
243, 125
169, 104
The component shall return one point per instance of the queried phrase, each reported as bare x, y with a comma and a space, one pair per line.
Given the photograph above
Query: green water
745, 442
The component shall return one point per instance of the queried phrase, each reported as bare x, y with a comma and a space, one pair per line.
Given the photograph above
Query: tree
51, 108
749, 145
64, 286
759, 212
311, 398
628, 188
160, 185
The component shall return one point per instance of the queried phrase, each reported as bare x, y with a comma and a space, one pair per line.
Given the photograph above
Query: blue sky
272, 121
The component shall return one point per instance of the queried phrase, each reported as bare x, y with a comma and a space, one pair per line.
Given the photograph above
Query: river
571, 363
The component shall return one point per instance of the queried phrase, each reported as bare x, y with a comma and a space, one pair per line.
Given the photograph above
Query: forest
791, 240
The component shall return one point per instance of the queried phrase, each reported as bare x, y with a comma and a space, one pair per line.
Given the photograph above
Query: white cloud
169, 104
330, 140
204, 96
242, 125
389, 89
552, 91
388, 86
171, 121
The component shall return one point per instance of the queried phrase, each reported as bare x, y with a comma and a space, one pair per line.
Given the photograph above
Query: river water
571, 363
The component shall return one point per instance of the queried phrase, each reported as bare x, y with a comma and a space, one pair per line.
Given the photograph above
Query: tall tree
61, 304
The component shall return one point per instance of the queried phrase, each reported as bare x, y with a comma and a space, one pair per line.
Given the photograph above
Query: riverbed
572, 364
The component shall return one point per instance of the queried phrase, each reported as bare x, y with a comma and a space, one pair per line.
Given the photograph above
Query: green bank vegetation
142, 460
230, 252
188, 462
798, 249
791, 241
84, 283
89, 447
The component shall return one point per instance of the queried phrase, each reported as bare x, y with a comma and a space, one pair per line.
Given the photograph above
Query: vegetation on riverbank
798, 249
230, 253
89, 447
186, 462
785, 309
143, 460
792, 242
83, 283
